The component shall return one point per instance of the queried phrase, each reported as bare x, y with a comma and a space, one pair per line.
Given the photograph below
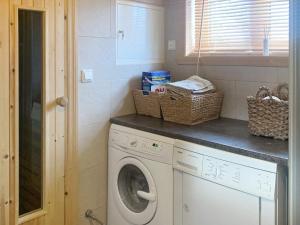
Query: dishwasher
214, 187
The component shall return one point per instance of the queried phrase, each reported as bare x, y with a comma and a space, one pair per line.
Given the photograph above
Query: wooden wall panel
13, 113
50, 119
71, 176
38, 221
13, 116
60, 112
4, 112
39, 3
27, 3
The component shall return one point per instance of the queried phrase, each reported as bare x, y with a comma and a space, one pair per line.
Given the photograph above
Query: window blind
238, 27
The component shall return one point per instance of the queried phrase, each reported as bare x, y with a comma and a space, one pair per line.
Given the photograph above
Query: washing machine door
134, 191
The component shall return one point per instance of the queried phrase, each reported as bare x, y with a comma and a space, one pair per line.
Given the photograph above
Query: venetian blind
238, 27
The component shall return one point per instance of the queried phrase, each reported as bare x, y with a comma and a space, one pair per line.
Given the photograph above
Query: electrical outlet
87, 76
171, 45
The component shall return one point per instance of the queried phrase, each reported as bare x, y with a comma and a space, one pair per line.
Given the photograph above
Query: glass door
38, 94
31, 108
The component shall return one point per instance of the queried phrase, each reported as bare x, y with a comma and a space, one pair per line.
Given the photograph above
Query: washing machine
140, 178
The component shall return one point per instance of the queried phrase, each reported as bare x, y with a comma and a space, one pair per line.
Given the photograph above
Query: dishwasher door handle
147, 196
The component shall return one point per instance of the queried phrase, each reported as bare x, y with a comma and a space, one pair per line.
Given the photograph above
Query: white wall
237, 82
109, 95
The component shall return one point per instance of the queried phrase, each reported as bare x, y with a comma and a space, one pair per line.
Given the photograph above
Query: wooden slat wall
38, 221
27, 3
39, 3
71, 179
50, 96
60, 112
13, 116
50, 117
4, 112
71, 203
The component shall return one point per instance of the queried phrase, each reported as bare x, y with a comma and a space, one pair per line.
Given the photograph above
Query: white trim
294, 154
121, 62
139, 4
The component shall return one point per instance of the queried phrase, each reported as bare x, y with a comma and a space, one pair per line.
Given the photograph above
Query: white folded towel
194, 85
273, 97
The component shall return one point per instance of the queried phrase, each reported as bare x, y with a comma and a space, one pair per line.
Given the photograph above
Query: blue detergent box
154, 81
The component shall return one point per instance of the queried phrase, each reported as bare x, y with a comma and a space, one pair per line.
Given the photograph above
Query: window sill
257, 61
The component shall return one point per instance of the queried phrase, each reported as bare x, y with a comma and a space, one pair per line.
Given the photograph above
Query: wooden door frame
294, 141
71, 171
71, 165
4, 113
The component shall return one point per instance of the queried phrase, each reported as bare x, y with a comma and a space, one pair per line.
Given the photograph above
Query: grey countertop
225, 134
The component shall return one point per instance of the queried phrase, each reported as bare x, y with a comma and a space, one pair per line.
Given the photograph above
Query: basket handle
280, 89
263, 90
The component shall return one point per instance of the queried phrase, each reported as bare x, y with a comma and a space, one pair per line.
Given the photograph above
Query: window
237, 27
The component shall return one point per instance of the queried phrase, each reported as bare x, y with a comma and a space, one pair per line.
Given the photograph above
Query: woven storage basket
191, 109
147, 103
269, 118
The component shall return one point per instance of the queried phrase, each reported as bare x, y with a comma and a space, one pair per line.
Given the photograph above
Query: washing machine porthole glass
131, 180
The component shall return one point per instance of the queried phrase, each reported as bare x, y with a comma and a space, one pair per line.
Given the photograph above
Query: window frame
182, 56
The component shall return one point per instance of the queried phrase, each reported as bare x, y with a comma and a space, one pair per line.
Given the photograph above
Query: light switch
171, 45
87, 76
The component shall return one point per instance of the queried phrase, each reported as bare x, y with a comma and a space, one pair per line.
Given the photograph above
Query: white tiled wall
237, 82
108, 95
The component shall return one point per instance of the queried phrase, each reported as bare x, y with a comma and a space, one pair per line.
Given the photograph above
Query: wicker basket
191, 109
147, 103
269, 118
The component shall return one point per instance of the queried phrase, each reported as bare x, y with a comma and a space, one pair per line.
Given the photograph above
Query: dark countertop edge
231, 149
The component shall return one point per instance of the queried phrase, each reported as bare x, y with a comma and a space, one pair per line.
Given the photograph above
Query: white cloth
194, 85
273, 97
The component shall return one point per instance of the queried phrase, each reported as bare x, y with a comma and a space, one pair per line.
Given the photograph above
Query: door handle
147, 196
122, 33
62, 101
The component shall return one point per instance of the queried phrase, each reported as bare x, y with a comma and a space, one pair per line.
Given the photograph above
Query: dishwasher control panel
231, 174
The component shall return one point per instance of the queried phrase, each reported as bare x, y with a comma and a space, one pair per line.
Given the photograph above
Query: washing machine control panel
142, 146
243, 178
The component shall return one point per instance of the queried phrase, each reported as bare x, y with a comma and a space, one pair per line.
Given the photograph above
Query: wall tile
96, 53
92, 188
100, 213
283, 75
94, 101
121, 97
126, 72
92, 143
242, 73
229, 109
94, 18
150, 67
